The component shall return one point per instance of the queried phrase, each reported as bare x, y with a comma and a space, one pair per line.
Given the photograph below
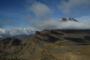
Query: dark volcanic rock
87, 38
76, 40
11, 40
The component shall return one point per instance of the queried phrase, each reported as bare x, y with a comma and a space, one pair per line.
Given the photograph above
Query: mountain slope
49, 45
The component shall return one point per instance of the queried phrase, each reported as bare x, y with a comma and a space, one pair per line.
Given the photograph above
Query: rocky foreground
48, 45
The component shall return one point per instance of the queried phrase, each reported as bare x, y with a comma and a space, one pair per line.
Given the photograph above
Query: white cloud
67, 7
40, 9
43, 13
2, 30
84, 19
57, 24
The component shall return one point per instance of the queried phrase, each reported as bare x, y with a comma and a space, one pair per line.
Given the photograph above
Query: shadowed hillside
48, 45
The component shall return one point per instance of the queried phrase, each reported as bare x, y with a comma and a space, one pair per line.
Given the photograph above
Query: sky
26, 13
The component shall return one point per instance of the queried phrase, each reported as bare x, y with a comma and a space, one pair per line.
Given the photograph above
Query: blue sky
22, 13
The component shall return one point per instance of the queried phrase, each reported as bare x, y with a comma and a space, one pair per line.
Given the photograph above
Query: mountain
48, 45
69, 19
